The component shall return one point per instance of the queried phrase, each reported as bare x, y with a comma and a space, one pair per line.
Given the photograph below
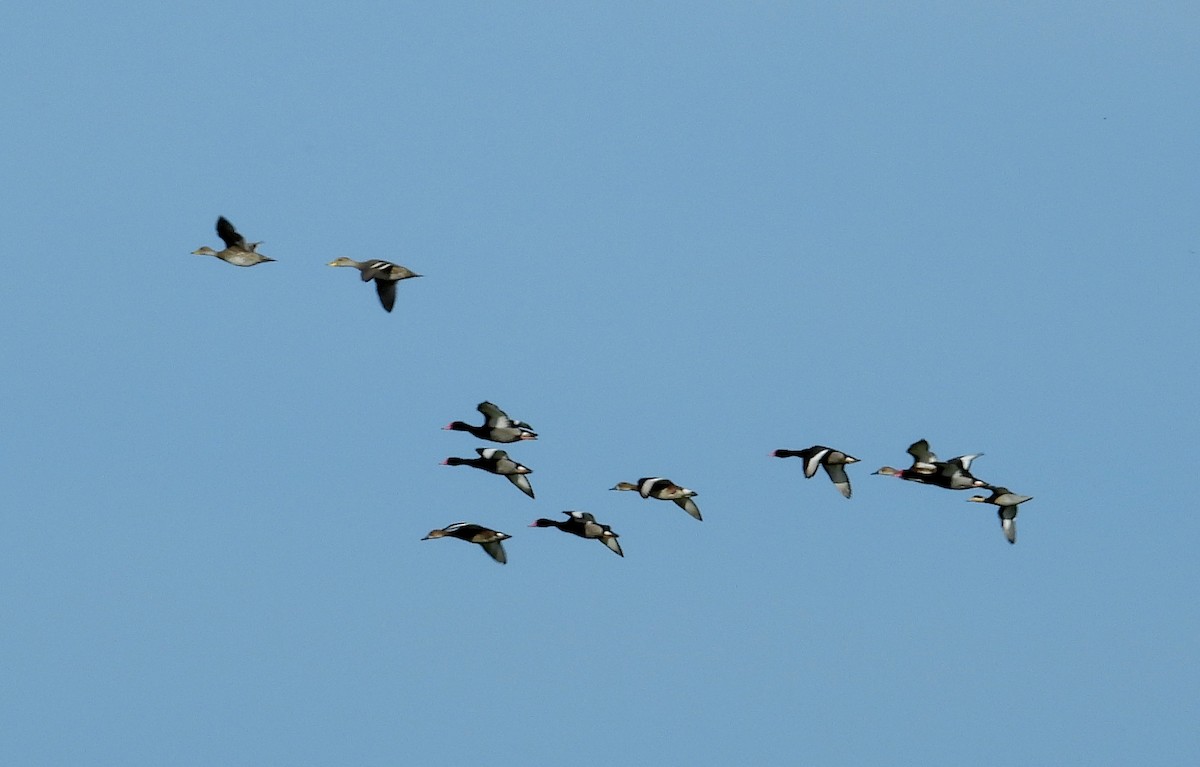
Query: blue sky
671, 236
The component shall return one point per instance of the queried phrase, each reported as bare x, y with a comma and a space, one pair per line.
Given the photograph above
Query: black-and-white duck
1007, 502
497, 461
497, 426
237, 251
833, 460
663, 490
489, 539
584, 525
385, 273
954, 474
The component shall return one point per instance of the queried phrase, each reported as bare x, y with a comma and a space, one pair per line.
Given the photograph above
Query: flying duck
584, 525
497, 426
834, 462
237, 251
497, 461
385, 273
954, 474
489, 539
664, 490
1008, 503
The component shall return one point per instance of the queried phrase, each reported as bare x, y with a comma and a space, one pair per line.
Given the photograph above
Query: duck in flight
385, 273
497, 426
954, 474
664, 490
497, 461
237, 251
834, 461
489, 539
584, 525
1007, 503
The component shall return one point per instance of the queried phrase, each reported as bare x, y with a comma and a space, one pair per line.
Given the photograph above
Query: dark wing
921, 453
496, 418
924, 461
374, 269
229, 235
464, 530
387, 293
813, 457
648, 486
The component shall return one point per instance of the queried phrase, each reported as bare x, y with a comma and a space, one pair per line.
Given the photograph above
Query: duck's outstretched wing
1008, 522
521, 481
387, 293
495, 549
964, 461
812, 459
924, 459
688, 505
496, 418
837, 473
374, 269
229, 235
611, 542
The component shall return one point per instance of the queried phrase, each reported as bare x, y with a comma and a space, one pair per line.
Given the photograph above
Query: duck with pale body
237, 251
663, 490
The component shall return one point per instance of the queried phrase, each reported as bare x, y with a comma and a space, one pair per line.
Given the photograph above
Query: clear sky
671, 236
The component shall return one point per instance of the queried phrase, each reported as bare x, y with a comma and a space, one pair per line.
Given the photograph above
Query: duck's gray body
237, 251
